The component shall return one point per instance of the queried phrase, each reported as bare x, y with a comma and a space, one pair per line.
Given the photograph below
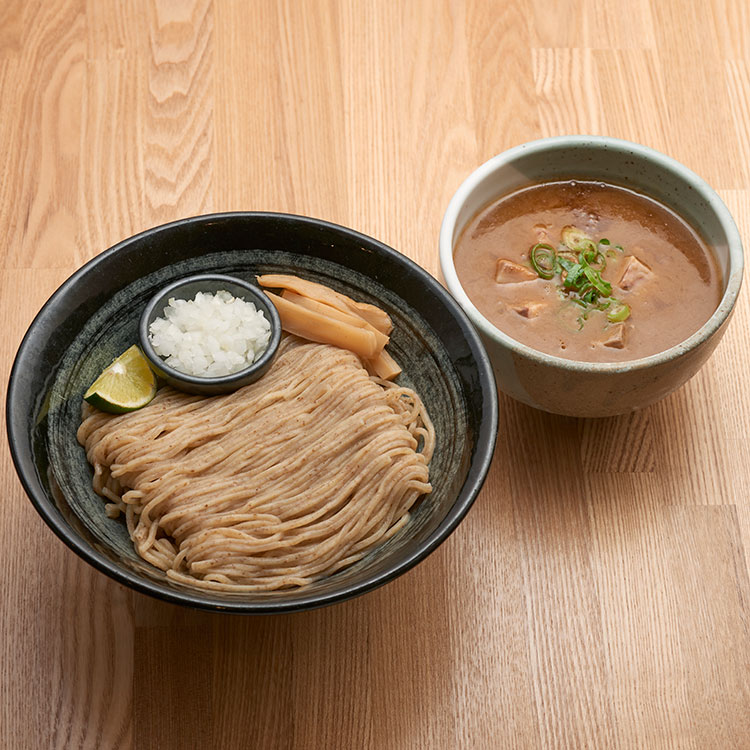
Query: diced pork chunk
634, 273
508, 272
615, 336
528, 309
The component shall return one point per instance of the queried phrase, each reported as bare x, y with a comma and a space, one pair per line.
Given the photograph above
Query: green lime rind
126, 385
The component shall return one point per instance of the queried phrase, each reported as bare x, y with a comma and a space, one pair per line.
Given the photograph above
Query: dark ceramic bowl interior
209, 284
95, 315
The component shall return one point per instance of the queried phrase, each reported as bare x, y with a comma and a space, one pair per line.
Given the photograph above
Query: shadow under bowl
95, 315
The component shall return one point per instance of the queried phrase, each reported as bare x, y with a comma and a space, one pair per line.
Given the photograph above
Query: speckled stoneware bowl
186, 289
591, 389
94, 316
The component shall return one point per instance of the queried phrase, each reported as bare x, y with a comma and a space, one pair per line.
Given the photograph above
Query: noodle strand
280, 483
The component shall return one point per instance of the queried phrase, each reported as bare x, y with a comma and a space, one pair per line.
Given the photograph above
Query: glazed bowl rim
601, 143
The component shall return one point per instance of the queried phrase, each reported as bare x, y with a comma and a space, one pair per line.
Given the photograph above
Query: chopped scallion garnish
542, 259
595, 279
618, 312
577, 240
573, 277
579, 262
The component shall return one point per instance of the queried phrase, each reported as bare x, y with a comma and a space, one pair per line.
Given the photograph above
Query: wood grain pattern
40, 210
11, 28
598, 593
178, 123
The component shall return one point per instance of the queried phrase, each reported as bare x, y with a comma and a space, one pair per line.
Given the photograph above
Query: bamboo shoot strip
313, 326
383, 365
326, 309
373, 315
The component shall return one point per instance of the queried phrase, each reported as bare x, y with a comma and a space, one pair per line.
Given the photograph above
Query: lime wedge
126, 385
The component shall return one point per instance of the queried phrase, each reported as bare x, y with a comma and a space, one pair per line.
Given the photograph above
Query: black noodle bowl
94, 316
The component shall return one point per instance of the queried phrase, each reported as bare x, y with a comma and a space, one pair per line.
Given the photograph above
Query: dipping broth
588, 271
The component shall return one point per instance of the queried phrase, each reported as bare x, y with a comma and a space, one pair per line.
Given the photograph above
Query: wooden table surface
601, 600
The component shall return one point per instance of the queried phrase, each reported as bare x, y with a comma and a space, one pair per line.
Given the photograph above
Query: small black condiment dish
210, 284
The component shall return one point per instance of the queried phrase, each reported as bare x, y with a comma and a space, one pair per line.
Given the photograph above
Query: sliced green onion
589, 296
599, 263
603, 287
572, 280
594, 258
542, 259
579, 261
588, 246
586, 256
619, 312
575, 239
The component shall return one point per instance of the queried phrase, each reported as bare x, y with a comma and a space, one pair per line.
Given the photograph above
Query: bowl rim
600, 143
19, 439
259, 299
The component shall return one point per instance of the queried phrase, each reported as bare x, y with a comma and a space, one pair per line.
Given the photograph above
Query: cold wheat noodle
273, 486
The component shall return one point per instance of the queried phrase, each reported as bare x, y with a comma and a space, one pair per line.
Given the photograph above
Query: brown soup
588, 271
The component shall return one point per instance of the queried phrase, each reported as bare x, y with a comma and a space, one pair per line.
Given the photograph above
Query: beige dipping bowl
596, 389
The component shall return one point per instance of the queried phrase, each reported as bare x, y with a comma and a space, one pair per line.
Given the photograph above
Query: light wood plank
654, 560
40, 207
597, 593
66, 666
112, 181
632, 89
568, 98
500, 62
693, 76
619, 444
494, 690
11, 28
593, 24
178, 128
737, 75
